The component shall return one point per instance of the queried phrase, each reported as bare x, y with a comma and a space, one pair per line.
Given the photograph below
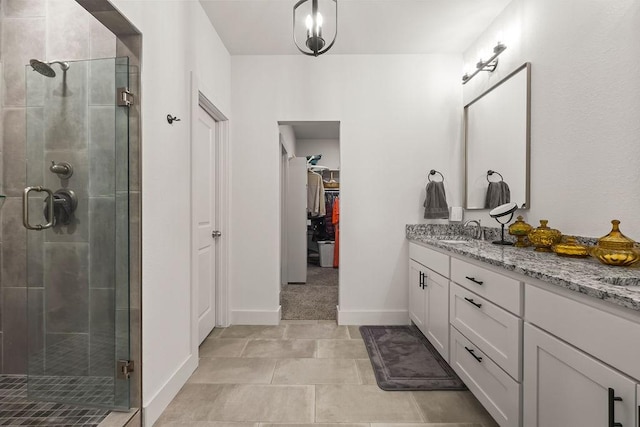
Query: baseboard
159, 402
256, 317
373, 317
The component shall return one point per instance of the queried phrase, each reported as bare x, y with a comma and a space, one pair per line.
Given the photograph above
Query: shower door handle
25, 208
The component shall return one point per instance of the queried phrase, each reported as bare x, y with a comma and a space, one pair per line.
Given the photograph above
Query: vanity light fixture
315, 44
488, 65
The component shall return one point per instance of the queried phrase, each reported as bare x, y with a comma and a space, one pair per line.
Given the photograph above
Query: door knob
215, 234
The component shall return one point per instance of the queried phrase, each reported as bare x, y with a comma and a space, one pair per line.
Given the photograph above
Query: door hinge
125, 97
125, 367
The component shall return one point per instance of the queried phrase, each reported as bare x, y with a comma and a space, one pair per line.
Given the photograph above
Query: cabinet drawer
501, 290
604, 335
495, 331
435, 260
497, 391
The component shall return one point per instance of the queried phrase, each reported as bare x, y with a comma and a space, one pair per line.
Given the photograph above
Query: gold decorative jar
571, 248
520, 229
615, 248
544, 237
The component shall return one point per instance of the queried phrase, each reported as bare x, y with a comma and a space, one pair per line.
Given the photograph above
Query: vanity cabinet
533, 353
429, 296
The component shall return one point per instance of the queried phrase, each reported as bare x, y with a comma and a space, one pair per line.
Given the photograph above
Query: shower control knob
215, 234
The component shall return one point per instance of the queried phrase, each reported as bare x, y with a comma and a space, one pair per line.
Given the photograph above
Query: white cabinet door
638, 406
417, 292
565, 387
437, 312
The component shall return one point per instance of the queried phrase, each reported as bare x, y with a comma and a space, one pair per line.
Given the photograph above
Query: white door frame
200, 100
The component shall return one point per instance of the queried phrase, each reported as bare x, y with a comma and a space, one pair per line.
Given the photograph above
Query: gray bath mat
403, 359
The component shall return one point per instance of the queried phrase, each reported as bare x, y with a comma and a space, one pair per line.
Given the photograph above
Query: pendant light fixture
313, 21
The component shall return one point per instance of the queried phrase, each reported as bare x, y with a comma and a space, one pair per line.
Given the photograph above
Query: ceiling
264, 27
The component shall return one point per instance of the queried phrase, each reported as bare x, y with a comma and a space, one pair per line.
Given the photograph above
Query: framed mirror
497, 140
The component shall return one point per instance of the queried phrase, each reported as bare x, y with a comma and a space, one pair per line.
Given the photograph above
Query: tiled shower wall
52, 29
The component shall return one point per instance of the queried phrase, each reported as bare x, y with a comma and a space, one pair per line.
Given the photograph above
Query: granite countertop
617, 285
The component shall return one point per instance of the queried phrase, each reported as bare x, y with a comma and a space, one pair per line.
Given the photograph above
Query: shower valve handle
25, 208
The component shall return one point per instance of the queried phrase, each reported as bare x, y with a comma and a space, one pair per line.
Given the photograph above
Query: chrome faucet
479, 233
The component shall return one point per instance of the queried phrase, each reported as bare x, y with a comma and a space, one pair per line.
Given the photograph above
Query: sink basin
621, 281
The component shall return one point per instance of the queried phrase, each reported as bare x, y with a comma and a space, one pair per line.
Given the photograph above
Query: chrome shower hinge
125, 367
125, 97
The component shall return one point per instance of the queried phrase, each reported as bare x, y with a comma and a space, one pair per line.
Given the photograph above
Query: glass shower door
76, 211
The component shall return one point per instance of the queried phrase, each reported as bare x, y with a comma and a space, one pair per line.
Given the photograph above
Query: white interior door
204, 153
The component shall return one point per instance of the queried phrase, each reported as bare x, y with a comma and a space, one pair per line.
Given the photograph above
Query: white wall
585, 58
329, 148
288, 139
177, 38
398, 114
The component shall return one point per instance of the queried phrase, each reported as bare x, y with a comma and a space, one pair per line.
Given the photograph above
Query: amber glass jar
520, 229
544, 237
615, 248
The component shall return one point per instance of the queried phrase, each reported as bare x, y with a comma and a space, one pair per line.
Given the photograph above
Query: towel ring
490, 172
433, 172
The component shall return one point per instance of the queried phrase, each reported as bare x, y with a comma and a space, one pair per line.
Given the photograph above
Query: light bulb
319, 25
309, 22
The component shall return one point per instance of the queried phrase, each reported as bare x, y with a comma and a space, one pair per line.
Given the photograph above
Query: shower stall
75, 208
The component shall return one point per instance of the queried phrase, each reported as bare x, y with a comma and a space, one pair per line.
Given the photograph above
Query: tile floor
305, 372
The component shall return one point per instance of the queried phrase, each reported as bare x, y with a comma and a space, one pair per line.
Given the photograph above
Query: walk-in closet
310, 219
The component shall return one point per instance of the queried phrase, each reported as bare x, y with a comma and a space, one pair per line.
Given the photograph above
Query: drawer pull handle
473, 279
612, 410
478, 358
473, 302
423, 283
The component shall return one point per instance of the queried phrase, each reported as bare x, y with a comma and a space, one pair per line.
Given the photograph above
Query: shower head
45, 69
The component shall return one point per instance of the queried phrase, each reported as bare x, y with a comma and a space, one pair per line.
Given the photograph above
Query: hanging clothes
336, 224
330, 197
315, 195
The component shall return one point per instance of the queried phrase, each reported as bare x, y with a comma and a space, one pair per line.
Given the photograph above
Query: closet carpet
315, 300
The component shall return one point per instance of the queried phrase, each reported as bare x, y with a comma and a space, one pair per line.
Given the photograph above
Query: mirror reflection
497, 129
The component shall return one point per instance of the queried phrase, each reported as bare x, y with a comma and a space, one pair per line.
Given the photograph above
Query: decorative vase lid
519, 228
543, 229
615, 239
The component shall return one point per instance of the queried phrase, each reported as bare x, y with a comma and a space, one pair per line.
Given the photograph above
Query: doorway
310, 193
